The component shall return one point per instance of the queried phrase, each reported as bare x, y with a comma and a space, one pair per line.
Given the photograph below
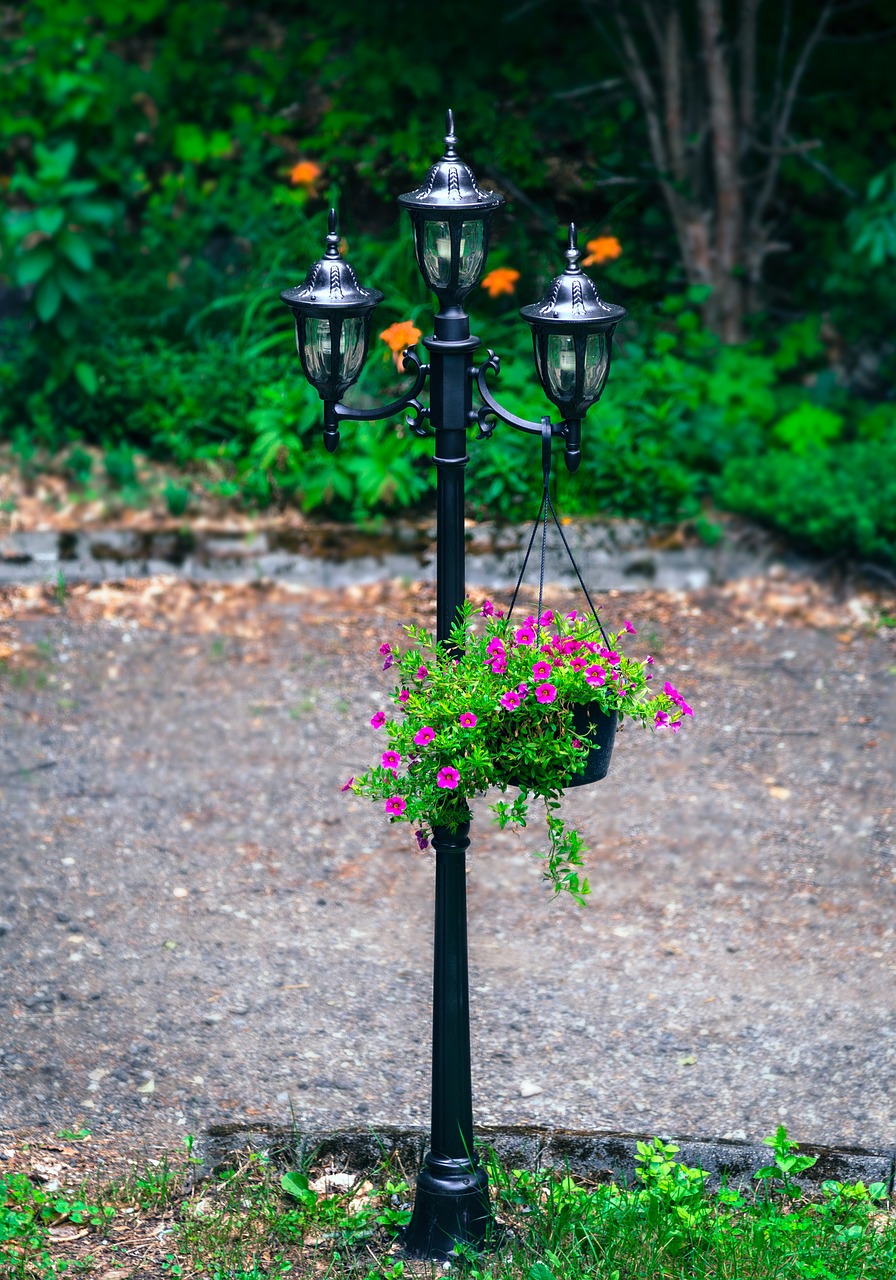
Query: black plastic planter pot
600, 728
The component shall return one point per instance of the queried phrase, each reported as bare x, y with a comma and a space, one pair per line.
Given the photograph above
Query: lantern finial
332, 234
450, 139
573, 252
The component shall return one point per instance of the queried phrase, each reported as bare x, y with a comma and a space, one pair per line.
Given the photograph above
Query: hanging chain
547, 509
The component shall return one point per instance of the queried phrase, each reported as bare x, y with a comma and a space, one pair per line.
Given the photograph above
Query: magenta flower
684, 708
546, 693
612, 657
448, 778
390, 662
423, 737
347, 786
524, 635
541, 670
385, 648
576, 742
421, 673
422, 839
404, 695
662, 719
675, 726
522, 690
578, 663
648, 661
378, 720
391, 760
671, 691
396, 805
627, 626
510, 699
595, 676
571, 617
546, 618
488, 609
498, 665
495, 646
468, 719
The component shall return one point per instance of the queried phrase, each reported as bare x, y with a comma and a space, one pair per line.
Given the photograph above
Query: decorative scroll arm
490, 411
335, 411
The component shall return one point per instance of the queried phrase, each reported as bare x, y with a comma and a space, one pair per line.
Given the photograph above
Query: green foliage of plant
840, 500
149, 221
26, 1214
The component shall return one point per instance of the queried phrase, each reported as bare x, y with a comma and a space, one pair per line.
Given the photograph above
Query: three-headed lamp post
572, 330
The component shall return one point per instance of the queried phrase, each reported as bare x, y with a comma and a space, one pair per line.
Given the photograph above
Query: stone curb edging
601, 1156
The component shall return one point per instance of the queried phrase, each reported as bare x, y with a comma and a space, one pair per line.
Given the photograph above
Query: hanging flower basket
531, 705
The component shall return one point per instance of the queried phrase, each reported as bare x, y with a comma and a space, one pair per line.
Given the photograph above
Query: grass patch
256, 1221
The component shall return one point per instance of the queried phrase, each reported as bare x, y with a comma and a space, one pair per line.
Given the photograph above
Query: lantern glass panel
436, 253
318, 349
596, 361
472, 253
352, 354
561, 365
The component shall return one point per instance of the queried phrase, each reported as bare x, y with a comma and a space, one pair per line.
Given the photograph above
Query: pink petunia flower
378, 720
422, 839
546, 693
577, 743
396, 805
571, 617
546, 618
348, 785
468, 719
596, 676
385, 648
495, 645
498, 665
510, 700
404, 695
577, 664
541, 670
448, 778
423, 737
421, 673
627, 626
661, 719
390, 662
488, 609
648, 661
522, 690
524, 635
391, 760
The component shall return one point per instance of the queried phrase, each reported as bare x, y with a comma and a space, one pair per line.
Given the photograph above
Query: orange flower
399, 336
603, 249
501, 280
304, 174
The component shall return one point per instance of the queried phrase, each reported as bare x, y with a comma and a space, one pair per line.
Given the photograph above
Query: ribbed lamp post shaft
451, 1204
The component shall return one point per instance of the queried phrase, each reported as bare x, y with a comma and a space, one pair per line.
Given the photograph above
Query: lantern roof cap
331, 282
572, 297
450, 183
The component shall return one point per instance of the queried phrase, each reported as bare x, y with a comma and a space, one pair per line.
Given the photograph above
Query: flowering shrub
495, 708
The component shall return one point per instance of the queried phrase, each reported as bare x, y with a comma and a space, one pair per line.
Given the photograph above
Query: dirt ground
196, 925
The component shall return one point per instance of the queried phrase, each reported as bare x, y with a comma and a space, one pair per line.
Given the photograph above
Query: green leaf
49, 220
190, 143
76, 249
47, 298
86, 375
53, 164
34, 265
538, 1271
74, 287
296, 1185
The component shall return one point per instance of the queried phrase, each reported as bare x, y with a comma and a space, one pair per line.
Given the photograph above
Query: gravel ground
197, 926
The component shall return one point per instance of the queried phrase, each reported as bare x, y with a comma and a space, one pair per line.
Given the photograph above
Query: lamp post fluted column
451, 1204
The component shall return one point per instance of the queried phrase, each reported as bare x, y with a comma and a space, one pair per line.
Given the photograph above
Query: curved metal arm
490, 408
335, 411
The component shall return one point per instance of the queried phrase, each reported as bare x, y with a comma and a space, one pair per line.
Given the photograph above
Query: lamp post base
451, 1208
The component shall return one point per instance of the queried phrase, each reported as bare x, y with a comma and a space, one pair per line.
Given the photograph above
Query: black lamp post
572, 332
